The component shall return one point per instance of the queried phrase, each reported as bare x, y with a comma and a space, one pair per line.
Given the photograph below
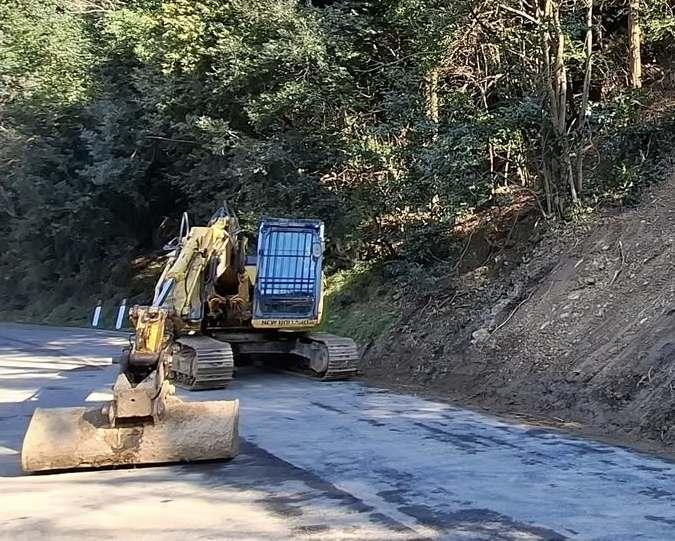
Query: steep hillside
582, 333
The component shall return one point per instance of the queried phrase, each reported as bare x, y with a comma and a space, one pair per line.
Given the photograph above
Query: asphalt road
320, 461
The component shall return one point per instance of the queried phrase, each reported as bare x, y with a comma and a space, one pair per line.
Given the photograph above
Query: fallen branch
514, 312
446, 301
464, 251
623, 262
160, 138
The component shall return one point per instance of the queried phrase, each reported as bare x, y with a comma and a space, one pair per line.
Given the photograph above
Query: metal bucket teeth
72, 438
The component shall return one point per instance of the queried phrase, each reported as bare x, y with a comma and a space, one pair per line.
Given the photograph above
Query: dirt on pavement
574, 326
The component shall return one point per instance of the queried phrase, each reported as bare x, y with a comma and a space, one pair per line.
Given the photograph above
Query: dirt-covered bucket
70, 438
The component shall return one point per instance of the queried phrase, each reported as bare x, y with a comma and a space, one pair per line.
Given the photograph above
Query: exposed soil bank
581, 332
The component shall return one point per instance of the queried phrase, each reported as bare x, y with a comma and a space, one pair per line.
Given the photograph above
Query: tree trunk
432, 95
634, 43
547, 80
582, 121
560, 85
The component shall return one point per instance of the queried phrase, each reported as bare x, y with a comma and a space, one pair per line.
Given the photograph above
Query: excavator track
214, 366
342, 356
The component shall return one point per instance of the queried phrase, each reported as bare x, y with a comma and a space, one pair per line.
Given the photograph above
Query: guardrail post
97, 314
120, 314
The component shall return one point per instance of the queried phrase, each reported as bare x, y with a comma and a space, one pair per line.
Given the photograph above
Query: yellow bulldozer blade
71, 438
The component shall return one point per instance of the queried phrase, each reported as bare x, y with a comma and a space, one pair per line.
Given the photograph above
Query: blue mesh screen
289, 273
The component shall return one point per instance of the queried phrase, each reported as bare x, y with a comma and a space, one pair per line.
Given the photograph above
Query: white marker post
97, 314
120, 314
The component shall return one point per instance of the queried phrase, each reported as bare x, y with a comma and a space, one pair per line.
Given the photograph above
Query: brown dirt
578, 331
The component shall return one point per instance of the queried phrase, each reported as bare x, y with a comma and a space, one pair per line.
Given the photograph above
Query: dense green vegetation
390, 120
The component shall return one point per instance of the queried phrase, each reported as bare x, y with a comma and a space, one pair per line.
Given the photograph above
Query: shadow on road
44, 369
291, 502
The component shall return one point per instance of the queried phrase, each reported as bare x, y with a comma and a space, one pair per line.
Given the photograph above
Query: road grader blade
75, 438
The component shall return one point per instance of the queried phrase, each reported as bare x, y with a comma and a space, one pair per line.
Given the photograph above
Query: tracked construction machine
215, 307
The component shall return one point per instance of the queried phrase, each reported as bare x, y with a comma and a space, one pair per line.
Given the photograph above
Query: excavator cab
288, 283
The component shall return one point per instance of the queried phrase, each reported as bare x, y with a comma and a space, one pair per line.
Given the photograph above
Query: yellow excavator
214, 307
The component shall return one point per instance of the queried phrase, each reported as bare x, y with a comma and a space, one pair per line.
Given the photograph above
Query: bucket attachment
70, 438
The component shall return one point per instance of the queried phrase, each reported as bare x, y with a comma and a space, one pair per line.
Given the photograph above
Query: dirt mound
580, 332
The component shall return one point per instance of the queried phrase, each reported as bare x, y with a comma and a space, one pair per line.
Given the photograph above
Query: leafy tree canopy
387, 119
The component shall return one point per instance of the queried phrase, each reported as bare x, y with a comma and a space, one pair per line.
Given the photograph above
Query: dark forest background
393, 121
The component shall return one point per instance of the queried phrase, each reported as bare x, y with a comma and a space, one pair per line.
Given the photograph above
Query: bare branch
520, 13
